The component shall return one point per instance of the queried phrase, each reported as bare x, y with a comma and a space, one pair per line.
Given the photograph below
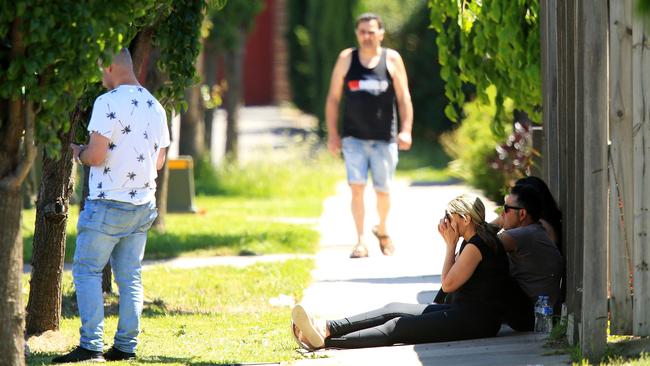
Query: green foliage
472, 146
62, 42
228, 22
395, 14
490, 43
643, 6
318, 31
415, 41
181, 27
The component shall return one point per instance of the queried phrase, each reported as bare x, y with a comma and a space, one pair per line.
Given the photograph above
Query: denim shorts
378, 156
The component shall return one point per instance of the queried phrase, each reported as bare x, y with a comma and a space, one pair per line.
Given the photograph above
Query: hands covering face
448, 229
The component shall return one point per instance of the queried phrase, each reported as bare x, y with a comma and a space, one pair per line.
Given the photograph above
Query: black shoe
80, 354
115, 354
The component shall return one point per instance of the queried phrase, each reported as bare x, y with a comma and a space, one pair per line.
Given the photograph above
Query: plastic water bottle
547, 315
538, 314
543, 315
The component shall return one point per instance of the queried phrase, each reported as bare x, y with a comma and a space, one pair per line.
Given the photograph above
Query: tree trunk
145, 57
17, 153
44, 304
161, 198
210, 75
11, 264
233, 63
192, 125
107, 275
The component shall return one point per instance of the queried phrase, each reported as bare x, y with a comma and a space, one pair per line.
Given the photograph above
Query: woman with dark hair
551, 216
475, 277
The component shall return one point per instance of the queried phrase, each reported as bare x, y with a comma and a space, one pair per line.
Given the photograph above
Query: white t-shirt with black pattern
136, 125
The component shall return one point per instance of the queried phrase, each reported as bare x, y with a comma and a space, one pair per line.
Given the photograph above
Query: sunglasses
507, 208
447, 216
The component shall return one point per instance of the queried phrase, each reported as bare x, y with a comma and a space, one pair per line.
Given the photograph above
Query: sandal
385, 243
313, 338
359, 251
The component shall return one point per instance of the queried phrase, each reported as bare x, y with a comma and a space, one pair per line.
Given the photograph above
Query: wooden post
641, 121
571, 197
591, 108
621, 174
550, 101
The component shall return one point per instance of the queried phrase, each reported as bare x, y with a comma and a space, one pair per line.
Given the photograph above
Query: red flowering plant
515, 157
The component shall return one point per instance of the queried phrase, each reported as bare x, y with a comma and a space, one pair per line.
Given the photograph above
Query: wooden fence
596, 84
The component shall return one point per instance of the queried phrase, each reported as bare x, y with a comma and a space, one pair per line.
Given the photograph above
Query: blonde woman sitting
474, 278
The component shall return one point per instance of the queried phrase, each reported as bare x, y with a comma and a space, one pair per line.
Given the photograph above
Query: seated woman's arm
456, 271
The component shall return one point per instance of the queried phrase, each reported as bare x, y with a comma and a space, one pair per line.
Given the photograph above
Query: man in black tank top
374, 82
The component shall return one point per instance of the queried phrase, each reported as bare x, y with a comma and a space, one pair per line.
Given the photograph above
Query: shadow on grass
188, 361
44, 358
151, 309
169, 245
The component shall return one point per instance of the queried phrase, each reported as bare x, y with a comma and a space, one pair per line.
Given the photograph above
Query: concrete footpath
343, 286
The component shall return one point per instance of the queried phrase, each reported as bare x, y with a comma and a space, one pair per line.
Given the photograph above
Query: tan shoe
311, 335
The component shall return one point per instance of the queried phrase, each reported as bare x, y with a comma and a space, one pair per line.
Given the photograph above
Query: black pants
519, 314
410, 324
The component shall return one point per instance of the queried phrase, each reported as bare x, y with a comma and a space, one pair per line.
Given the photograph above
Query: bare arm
162, 154
334, 98
400, 83
461, 269
93, 154
456, 270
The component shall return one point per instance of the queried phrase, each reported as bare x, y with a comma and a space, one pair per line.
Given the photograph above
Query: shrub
472, 146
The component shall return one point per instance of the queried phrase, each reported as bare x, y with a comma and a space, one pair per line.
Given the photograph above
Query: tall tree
318, 31
46, 60
119, 26
233, 23
192, 135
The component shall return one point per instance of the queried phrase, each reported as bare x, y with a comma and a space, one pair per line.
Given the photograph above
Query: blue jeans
378, 156
116, 231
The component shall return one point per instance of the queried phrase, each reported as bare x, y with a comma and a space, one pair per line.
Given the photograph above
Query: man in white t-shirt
128, 139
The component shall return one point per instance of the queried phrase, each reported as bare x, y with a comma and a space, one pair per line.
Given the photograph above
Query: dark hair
366, 17
551, 212
528, 198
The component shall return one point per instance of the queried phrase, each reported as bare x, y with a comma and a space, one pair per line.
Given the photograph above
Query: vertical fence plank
592, 108
572, 167
550, 101
641, 118
621, 173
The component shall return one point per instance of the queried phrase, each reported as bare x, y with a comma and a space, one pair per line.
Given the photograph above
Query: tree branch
15, 179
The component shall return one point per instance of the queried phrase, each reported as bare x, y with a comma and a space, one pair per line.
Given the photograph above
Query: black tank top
369, 107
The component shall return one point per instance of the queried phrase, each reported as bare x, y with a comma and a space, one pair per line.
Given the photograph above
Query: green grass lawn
221, 315
211, 315
224, 226
424, 162
216, 315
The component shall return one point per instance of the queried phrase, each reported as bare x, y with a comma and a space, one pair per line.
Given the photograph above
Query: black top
369, 112
486, 286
